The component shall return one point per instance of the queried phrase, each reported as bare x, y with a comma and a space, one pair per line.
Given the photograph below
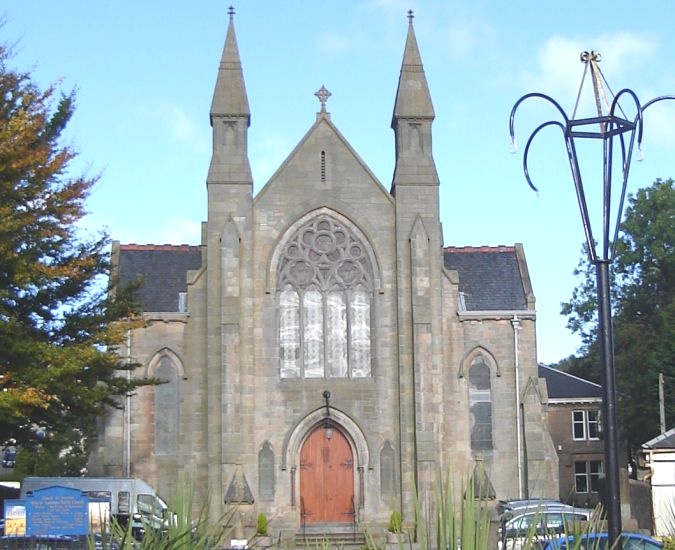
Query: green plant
262, 525
182, 529
395, 522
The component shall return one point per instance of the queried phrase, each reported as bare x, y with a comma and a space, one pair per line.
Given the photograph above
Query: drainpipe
515, 322
127, 417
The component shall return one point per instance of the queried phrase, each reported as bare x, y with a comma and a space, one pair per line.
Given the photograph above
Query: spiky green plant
395, 522
182, 530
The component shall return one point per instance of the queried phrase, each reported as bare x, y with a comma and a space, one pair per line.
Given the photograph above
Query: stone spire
412, 97
229, 97
412, 118
230, 118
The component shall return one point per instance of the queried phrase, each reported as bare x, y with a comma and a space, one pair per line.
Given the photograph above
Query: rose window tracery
325, 288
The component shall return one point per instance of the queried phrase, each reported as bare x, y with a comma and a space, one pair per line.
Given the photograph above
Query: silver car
540, 523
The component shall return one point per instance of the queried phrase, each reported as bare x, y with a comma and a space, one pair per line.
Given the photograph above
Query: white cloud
333, 43
179, 125
559, 71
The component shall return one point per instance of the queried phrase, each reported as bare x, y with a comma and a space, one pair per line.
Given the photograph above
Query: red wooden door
326, 478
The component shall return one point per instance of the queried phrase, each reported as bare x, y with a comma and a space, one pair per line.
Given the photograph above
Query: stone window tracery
325, 302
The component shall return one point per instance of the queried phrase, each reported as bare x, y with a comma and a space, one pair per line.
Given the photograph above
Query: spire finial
230, 12
411, 16
323, 96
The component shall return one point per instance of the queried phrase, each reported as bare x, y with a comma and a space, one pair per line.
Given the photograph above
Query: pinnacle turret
229, 96
412, 97
411, 121
230, 118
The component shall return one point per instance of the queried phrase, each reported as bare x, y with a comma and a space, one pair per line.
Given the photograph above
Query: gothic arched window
325, 302
480, 403
166, 407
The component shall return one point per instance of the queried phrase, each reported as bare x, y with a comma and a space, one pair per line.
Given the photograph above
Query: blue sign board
57, 511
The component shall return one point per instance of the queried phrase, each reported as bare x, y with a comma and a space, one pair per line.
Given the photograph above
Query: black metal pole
610, 425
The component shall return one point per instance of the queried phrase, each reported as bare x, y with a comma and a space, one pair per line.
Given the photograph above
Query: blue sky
144, 74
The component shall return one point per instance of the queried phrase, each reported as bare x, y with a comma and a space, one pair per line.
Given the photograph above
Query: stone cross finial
230, 12
411, 15
323, 96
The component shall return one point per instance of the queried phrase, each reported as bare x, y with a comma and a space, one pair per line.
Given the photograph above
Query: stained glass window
325, 302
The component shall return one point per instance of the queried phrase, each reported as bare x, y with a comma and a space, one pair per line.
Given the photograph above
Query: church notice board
49, 511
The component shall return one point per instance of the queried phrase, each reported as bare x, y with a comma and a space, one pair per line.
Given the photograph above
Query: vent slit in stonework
323, 166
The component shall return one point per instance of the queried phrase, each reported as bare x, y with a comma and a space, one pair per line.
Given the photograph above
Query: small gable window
325, 303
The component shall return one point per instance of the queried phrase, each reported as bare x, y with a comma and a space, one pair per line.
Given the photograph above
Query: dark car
8, 459
599, 541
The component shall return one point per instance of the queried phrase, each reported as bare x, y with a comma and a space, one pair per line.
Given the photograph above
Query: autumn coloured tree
59, 324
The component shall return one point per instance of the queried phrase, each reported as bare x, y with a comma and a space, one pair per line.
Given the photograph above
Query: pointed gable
324, 160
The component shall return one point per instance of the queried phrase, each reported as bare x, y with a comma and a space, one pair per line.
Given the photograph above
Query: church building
325, 356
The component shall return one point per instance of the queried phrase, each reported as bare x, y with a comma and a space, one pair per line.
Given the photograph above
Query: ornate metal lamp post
610, 126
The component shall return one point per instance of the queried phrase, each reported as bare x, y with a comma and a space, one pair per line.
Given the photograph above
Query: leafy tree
643, 285
58, 320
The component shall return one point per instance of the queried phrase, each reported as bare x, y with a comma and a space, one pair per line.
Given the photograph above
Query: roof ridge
659, 438
481, 248
174, 247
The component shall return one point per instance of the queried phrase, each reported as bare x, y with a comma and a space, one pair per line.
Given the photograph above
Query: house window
587, 476
585, 425
325, 303
480, 403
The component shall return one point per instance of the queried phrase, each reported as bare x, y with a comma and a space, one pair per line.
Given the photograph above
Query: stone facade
328, 302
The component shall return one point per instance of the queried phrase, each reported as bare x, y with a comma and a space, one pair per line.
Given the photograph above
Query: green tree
643, 283
59, 324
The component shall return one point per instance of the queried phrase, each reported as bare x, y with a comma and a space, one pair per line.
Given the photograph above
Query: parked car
505, 506
540, 524
8, 459
598, 541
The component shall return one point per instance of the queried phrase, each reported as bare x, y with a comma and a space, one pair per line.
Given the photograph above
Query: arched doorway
326, 477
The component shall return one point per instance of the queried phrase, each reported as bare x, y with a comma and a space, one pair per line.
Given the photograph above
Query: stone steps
329, 537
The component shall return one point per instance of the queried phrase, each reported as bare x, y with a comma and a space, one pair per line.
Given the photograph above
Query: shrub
395, 522
261, 525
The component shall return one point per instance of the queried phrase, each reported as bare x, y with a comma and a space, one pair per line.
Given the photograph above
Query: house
574, 420
325, 355
658, 455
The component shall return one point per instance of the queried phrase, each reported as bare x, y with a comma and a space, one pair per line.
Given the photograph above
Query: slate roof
489, 277
664, 441
562, 385
163, 270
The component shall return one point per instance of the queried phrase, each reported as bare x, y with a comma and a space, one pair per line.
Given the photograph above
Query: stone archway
348, 430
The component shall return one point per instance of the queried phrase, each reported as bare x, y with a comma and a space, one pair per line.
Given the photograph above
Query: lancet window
480, 402
325, 302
